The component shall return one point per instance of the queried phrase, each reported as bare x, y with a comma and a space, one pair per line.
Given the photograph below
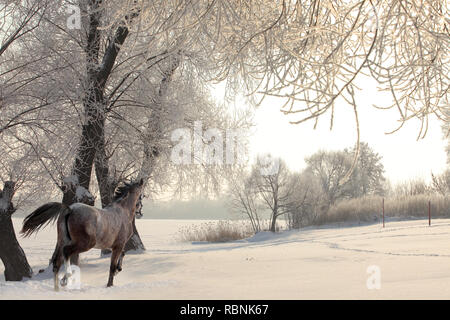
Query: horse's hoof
119, 269
64, 281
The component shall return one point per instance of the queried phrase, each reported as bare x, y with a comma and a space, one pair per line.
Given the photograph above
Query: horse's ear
141, 182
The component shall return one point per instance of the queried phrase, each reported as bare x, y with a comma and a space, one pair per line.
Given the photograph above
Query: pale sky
403, 156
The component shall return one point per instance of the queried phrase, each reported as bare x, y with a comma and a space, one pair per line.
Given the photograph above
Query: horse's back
84, 217
102, 224
84, 211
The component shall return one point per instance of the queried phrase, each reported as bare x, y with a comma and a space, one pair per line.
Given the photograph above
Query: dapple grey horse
82, 227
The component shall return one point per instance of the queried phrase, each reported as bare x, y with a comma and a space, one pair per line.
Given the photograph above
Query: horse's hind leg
68, 251
75, 259
115, 256
56, 261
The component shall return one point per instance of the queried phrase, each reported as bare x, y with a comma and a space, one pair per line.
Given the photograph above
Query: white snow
71, 180
82, 193
314, 263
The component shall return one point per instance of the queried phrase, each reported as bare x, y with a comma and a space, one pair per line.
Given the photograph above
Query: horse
81, 227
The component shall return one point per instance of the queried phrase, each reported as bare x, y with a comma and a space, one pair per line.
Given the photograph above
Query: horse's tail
42, 216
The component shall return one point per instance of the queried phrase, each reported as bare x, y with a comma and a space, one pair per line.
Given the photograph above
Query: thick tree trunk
106, 183
11, 254
274, 224
94, 110
77, 186
135, 242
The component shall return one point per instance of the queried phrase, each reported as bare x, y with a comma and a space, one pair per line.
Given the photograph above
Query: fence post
429, 213
383, 212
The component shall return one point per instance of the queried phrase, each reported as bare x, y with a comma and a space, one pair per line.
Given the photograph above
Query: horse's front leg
119, 263
116, 252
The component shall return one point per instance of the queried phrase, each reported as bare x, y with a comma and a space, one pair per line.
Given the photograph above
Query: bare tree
308, 201
244, 197
275, 188
331, 167
279, 192
17, 21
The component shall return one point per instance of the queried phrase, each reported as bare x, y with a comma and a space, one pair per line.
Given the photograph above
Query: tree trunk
107, 184
274, 223
11, 254
135, 242
76, 187
275, 211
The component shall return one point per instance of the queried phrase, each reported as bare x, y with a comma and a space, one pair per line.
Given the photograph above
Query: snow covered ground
314, 263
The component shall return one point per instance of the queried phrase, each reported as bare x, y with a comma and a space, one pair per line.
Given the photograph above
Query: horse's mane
123, 190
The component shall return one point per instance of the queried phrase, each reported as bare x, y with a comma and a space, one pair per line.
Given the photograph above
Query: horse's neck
116, 208
127, 206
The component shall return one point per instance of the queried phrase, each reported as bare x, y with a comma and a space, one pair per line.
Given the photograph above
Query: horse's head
129, 194
136, 190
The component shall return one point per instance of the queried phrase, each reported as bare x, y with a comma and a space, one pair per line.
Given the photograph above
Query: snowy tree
243, 197
308, 201
275, 189
298, 197
441, 182
17, 168
446, 132
312, 53
413, 187
331, 167
368, 176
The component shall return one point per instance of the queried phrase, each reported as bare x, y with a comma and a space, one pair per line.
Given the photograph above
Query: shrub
360, 209
368, 209
216, 231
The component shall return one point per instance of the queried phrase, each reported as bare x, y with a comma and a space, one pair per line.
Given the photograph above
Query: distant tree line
313, 195
301, 197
